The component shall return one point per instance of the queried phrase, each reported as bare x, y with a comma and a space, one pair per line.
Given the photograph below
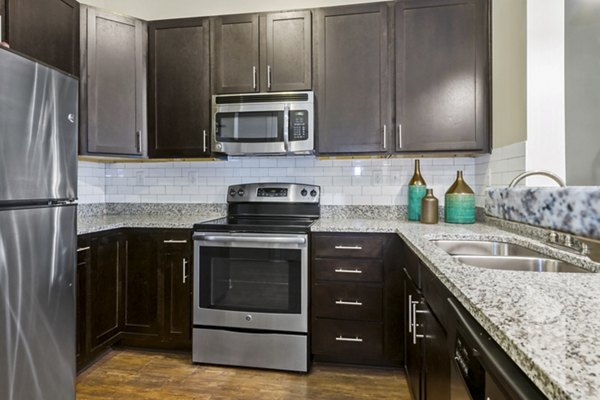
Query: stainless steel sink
484, 248
514, 263
500, 255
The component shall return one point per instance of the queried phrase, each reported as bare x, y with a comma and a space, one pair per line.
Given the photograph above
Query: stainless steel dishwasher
481, 370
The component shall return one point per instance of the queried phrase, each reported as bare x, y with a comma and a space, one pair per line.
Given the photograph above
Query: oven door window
260, 126
247, 279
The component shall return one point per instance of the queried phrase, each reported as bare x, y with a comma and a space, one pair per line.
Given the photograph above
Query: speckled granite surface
101, 223
549, 323
571, 209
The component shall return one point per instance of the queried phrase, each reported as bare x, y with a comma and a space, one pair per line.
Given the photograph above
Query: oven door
251, 281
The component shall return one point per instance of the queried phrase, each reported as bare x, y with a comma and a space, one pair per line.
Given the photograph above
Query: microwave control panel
298, 125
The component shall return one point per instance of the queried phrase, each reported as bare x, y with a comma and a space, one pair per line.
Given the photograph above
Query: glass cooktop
255, 224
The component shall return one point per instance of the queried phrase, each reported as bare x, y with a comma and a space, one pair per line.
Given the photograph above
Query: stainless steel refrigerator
38, 186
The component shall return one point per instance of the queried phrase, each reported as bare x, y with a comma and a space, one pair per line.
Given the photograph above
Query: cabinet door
353, 79
113, 97
179, 91
81, 301
104, 290
437, 360
140, 284
289, 51
414, 347
235, 59
47, 30
177, 269
442, 77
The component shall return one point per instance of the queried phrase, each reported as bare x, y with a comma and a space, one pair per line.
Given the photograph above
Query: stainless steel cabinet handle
138, 138
83, 249
184, 270
345, 339
269, 77
340, 247
414, 329
384, 137
409, 313
399, 137
204, 140
251, 239
348, 271
0, 28
175, 241
348, 303
254, 77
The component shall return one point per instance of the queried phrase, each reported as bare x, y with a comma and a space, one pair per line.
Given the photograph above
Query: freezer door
38, 131
37, 303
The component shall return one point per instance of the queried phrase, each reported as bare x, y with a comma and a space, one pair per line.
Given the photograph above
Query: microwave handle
286, 127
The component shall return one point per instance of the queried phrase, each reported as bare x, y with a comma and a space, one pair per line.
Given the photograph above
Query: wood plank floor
131, 374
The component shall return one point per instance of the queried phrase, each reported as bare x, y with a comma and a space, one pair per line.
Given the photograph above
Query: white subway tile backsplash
345, 182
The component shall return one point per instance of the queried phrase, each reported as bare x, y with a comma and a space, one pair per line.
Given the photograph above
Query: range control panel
274, 192
298, 125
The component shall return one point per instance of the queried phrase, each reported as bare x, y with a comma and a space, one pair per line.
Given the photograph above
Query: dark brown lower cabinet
356, 299
133, 288
427, 357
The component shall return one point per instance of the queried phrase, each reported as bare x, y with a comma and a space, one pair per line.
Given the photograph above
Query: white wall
545, 89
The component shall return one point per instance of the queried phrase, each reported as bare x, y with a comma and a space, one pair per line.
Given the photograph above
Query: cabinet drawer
413, 266
358, 339
333, 269
353, 246
347, 302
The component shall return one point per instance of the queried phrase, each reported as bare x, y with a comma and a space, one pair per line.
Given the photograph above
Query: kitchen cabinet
442, 76
355, 296
81, 303
47, 30
105, 290
426, 311
269, 52
113, 89
179, 88
176, 269
140, 284
353, 79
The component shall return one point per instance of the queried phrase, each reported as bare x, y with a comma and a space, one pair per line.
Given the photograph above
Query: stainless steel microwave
263, 123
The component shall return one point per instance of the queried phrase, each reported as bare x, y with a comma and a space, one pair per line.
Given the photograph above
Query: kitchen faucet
548, 174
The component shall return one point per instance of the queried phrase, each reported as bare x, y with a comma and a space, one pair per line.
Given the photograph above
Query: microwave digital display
298, 125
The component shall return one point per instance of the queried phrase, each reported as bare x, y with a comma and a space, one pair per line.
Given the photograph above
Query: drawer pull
348, 271
345, 339
83, 249
348, 303
175, 241
340, 247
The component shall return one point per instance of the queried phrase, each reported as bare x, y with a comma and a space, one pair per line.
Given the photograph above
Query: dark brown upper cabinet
353, 87
113, 90
178, 88
442, 76
270, 52
47, 30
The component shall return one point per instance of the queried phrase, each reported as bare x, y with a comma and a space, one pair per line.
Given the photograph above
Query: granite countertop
91, 224
548, 323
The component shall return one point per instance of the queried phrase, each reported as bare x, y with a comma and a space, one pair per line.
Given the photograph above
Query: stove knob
241, 192
313, 193
232, 192
303, 192
248, 317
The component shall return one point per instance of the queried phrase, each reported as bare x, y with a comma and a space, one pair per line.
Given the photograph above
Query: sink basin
484, 248
515, 263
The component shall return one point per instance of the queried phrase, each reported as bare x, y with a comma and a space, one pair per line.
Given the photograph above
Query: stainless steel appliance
38, 178
263, 123
251, 278
480, 369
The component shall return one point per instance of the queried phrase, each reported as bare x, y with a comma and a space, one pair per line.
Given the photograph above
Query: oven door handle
252, 239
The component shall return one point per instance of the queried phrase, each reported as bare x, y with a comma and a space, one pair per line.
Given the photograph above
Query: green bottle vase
460, 202
417, 188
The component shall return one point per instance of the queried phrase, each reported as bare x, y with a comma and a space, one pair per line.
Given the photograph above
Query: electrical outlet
139, 178
192, 177
377, 178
